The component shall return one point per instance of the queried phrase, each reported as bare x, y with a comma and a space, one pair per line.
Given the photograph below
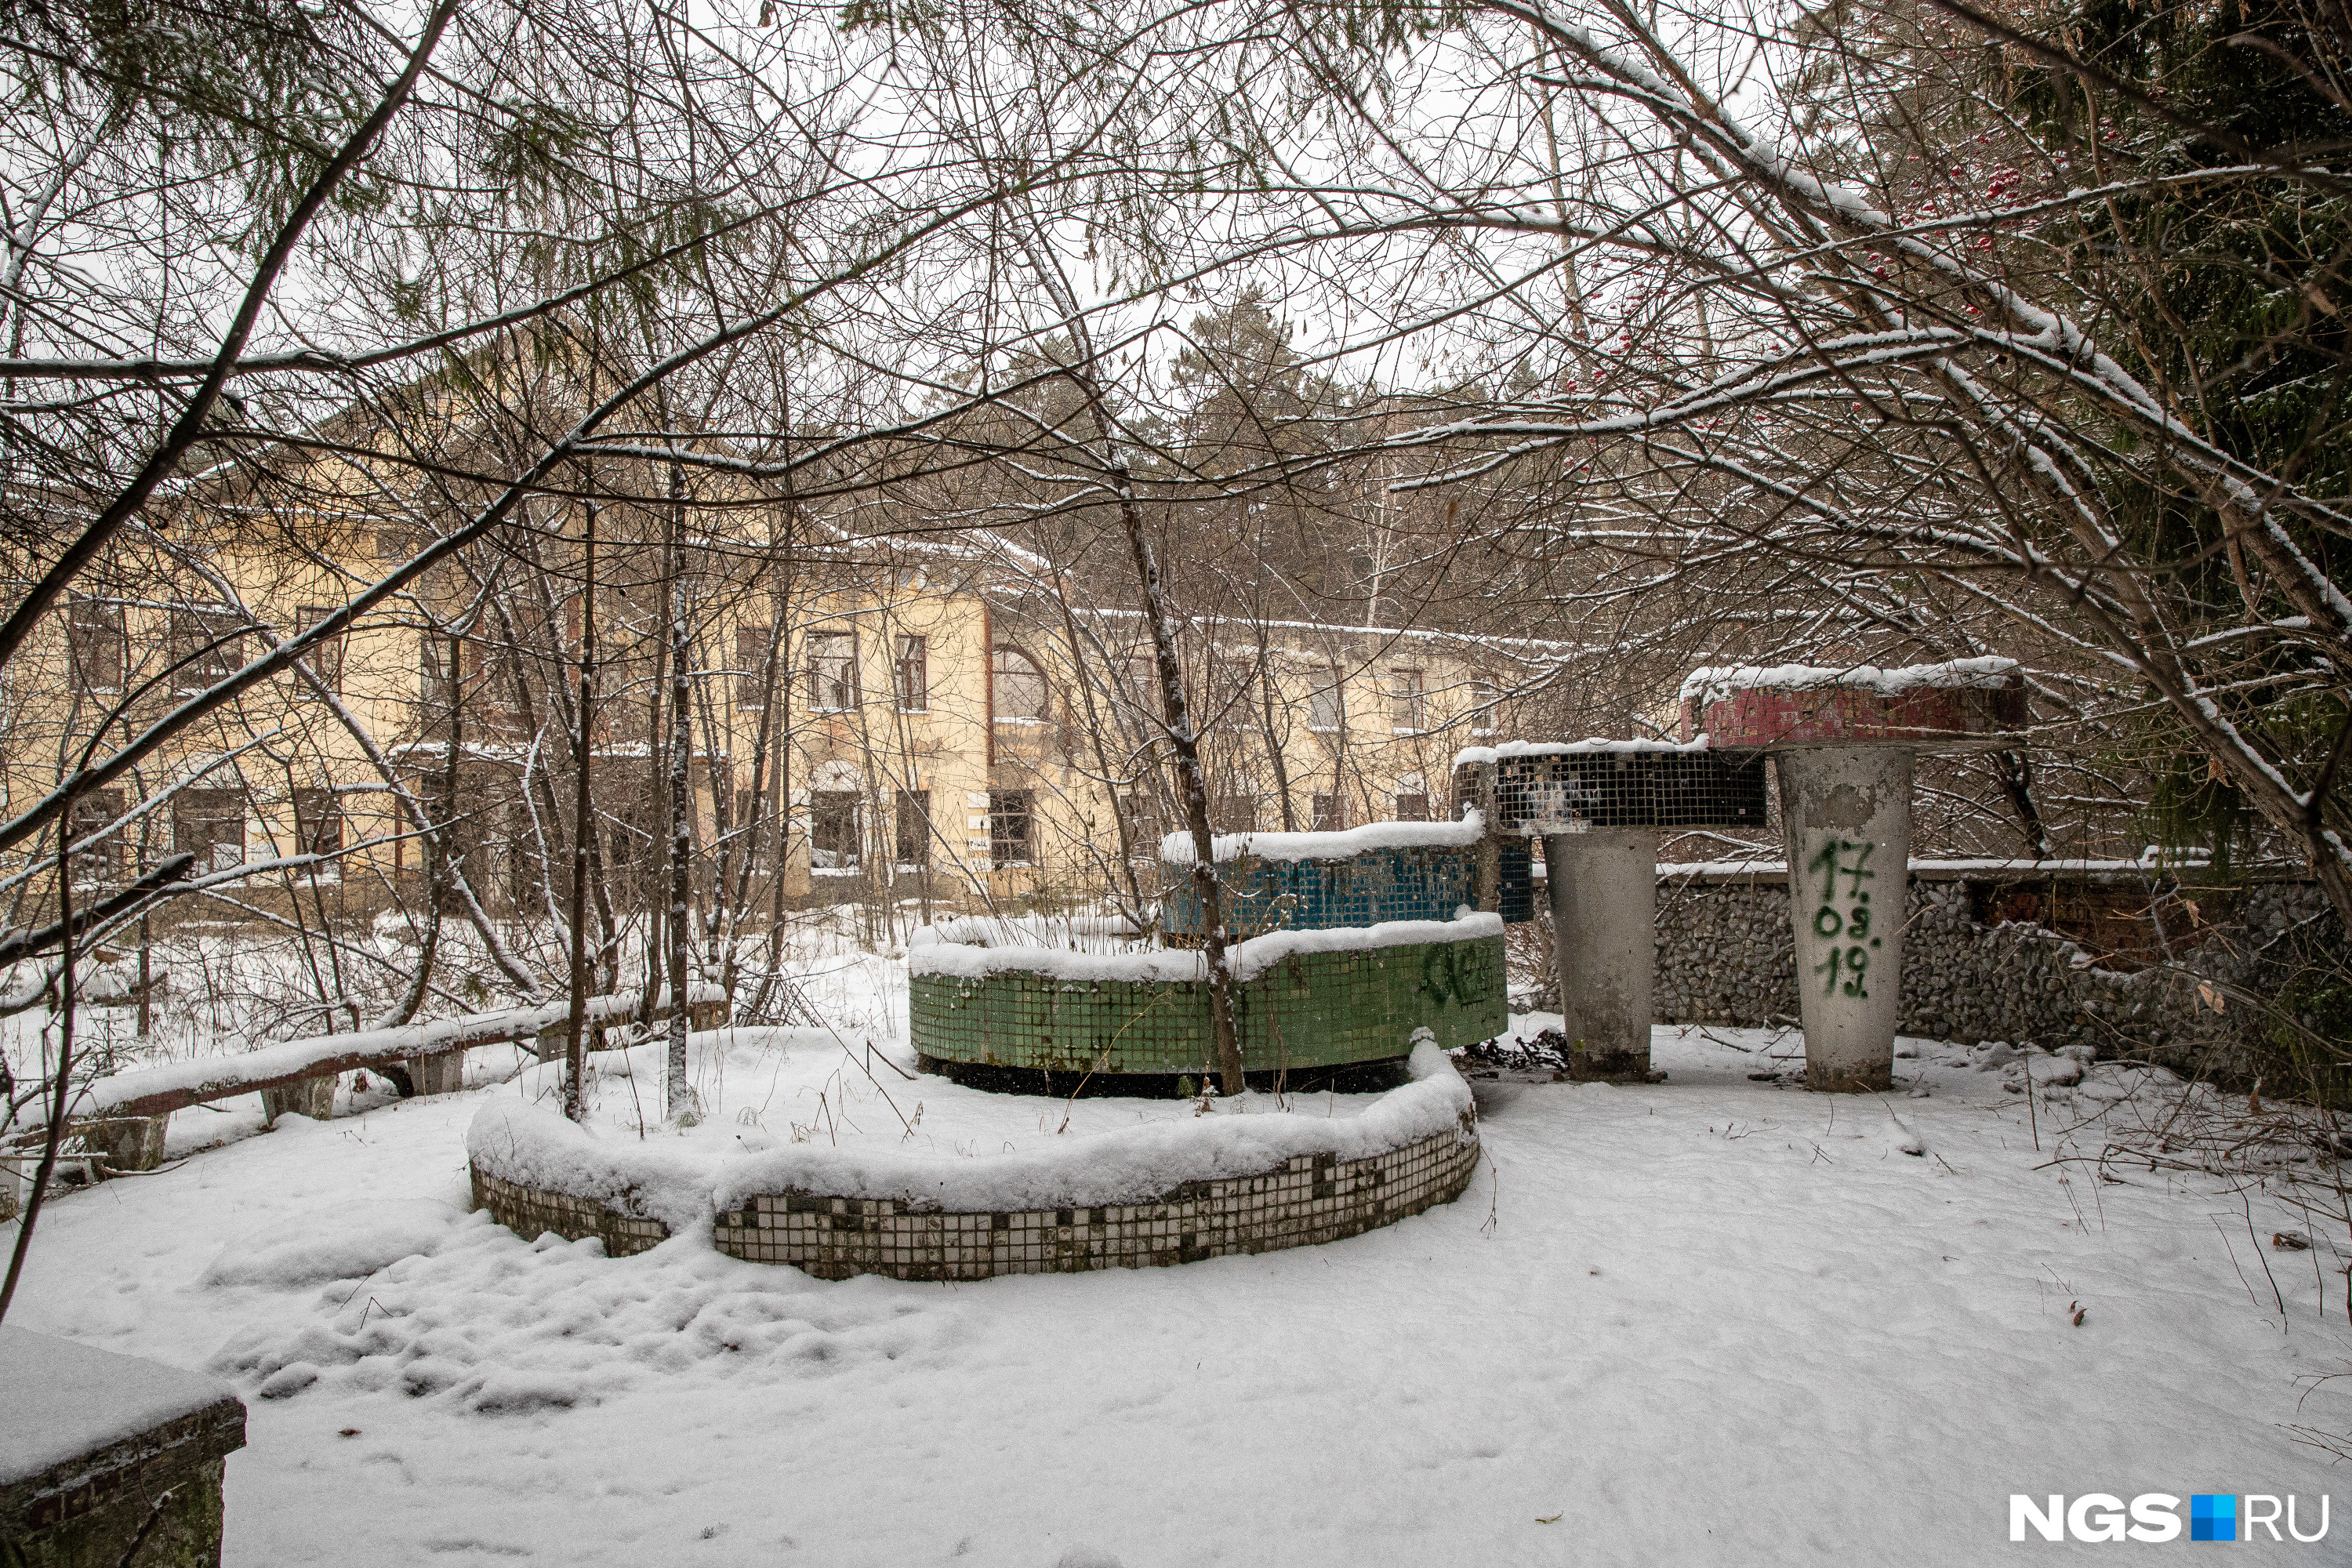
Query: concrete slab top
1923, 716
67, 1401
1541, 790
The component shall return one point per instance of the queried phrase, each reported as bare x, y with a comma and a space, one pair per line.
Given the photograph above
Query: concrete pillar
444, 1072
125, 1142
1847, 814
313, 1098
548, 1043
1604, 904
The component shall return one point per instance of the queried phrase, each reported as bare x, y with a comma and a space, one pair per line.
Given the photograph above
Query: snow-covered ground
1715, 1319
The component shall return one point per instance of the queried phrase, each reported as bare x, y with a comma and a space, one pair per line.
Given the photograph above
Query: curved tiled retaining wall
1419, 882
1306, 1200
1307, 1009
534, 1211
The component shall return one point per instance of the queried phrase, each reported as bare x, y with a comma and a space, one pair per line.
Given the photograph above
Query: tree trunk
2016, 773
1192, 784
677, 1098
61, 1088
575, 1104
780, 707
656, 788
1272, 736
437, 848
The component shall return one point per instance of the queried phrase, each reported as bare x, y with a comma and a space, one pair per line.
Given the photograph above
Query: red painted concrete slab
1930, 717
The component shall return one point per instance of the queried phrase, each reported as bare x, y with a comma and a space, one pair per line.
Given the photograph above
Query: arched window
1021, 689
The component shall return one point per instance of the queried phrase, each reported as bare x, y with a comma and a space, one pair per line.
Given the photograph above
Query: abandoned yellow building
869, 723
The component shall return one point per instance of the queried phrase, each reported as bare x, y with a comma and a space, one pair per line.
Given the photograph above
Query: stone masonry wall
1724, 954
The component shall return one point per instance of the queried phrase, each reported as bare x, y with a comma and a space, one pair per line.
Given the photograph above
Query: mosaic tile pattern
1026, 1020
1574, 791
1311, 1010
1515, 895
1423, 883
1321, 1009
1307, 1200
1311, 1199
532, 1212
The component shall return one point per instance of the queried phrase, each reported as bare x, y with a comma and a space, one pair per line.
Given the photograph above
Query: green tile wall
1313, 1009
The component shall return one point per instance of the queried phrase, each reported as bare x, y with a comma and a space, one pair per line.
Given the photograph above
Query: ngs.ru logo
2156, 1516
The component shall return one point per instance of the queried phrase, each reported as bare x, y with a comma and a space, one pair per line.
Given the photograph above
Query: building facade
874, 725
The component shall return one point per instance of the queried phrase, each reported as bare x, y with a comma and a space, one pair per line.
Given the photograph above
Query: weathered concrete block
108, 1460
313, 1098
549, 1042
444, 1072
126, 1143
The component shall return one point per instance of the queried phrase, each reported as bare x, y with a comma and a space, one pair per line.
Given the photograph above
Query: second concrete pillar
444, 1072
1605, 901
313, 1098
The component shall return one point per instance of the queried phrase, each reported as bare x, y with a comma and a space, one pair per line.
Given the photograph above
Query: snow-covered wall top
1967, 704
1176, 849
1252, 958
1471, 756
969, 962
65, 1400
534, 1147
1248, 959
1710, 684
1026, 930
